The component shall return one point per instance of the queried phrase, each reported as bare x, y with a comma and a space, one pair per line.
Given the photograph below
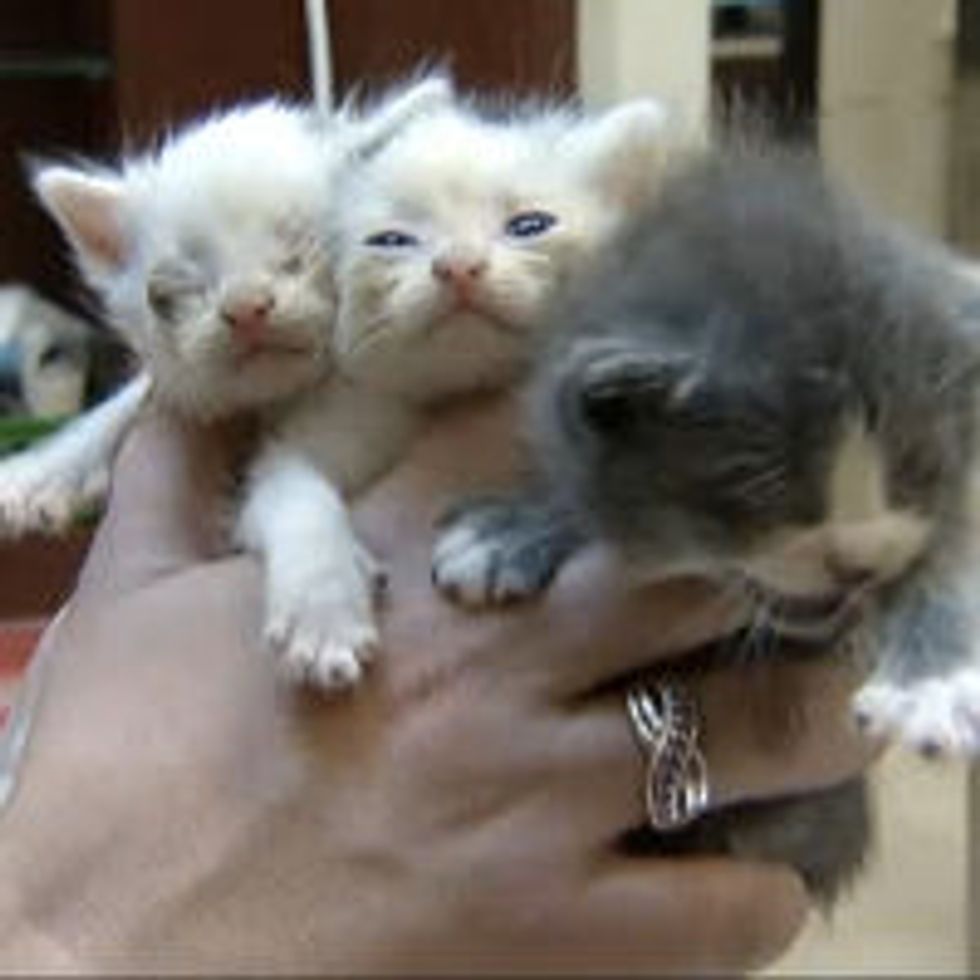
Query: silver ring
665, 722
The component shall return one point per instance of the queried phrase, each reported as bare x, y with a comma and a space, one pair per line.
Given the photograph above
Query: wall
885, 90
646, 47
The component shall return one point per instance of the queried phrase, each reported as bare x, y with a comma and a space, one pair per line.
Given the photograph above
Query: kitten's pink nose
247, 315
463, 272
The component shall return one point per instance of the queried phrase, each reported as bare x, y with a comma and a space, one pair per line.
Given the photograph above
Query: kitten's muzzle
462, 272
248, 316
816, 619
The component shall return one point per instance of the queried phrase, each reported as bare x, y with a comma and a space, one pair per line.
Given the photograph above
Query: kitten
208, 257
766, 386
488, 193
448, 244
183, 246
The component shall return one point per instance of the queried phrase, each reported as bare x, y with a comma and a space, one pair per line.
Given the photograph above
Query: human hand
181, 811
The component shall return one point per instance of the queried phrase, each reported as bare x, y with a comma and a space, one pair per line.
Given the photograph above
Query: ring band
664, 720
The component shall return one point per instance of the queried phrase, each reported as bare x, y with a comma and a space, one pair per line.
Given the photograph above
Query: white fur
938, 714
461, 564
318, 598
231, 207
219, 190
221, 208
466, 565
452, 182
69, 472
321, 580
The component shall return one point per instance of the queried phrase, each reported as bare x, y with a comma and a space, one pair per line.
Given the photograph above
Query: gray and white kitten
765, 386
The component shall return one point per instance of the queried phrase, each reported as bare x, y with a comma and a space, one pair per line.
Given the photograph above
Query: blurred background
888, 90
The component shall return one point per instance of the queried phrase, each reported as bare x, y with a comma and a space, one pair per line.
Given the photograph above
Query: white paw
322, 628
936, 715
474, 569
38, 496
461, 566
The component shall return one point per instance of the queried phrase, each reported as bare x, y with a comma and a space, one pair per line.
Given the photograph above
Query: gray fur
691, 396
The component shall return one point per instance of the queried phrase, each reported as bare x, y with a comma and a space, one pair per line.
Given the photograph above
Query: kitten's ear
624, 151
398, 108
92, 211
611, 384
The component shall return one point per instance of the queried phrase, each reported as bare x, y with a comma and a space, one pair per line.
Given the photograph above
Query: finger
701, 916
600, 627
169, 485
767, 731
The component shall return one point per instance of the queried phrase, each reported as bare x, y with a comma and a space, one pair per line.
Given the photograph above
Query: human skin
181, 810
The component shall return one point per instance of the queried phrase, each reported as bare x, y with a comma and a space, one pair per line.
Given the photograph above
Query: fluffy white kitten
183, 247
209, 259
450, 241
450, 233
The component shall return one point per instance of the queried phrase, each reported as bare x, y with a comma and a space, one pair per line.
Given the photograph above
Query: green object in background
20, 431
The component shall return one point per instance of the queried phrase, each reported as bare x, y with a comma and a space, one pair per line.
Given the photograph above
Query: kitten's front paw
323, 629
495, 553
936, 715
36, 496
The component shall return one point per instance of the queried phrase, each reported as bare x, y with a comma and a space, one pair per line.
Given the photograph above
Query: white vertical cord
319, 53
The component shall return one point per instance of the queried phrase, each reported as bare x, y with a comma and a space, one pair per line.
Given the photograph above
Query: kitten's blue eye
530, 224
392, 239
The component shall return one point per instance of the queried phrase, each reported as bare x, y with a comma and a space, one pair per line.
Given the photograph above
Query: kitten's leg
497, 550
45, 487
925, 688
319, 580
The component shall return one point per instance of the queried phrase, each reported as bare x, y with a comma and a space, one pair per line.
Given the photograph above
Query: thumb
171, 484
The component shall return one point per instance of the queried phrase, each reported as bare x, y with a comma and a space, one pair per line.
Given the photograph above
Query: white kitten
454, 238
187, 247
450, 238
450, 242
208, 257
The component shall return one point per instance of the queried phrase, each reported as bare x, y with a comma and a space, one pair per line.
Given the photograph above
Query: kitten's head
453, 237
206, 254
767, 386
209, 254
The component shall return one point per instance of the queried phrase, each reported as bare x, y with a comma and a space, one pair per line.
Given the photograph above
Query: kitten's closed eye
299, 259
169, 285
530, 224
299, 248
391, 238
293, 264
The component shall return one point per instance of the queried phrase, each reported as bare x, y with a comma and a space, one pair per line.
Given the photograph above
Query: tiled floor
909, 915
